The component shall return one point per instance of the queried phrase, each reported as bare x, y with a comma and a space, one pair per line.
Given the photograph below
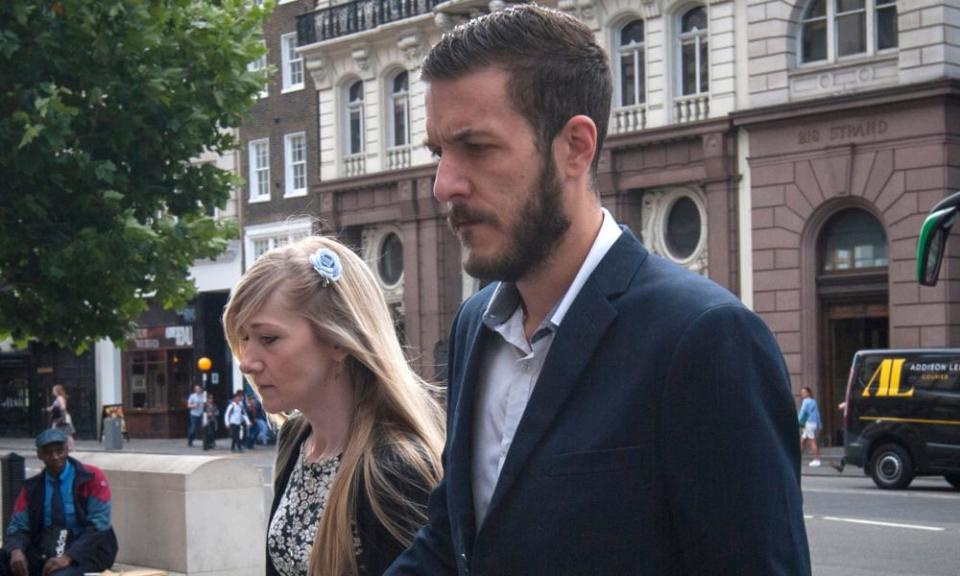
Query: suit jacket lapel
579, 334
460, 455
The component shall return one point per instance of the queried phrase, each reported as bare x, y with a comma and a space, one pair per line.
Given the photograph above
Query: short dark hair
557, 70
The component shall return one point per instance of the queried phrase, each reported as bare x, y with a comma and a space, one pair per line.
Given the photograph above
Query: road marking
887, 524
888, 493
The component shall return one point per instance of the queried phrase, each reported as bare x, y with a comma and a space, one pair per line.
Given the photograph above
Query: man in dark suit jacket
609, 412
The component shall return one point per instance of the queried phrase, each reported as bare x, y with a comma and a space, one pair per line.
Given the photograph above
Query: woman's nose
250, 365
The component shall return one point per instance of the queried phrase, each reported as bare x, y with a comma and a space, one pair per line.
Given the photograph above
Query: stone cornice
859, 100
376, 180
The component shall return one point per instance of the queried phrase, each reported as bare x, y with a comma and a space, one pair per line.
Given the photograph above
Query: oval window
683, 228
390, 259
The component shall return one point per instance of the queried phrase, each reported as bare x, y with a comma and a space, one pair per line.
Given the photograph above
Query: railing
356, 16
691, 108
399, 157
354, 165
629, 119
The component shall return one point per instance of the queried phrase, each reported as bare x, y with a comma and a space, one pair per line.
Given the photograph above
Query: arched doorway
852, 262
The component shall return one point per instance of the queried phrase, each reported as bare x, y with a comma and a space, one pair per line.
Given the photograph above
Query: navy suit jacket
660, 438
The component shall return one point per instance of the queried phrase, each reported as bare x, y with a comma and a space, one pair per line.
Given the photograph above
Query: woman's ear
339, 353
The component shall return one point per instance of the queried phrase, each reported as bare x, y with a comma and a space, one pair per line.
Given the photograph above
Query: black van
902, 415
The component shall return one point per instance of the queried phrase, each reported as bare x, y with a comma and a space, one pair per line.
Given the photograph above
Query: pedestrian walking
235, 417
361, 450
60, 418
210, 416
195, 403
257, 432
810, 423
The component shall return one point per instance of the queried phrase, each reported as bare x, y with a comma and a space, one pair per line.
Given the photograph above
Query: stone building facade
787, 149
850, 135
670, 161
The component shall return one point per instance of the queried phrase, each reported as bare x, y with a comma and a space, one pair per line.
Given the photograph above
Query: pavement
263, 456
829, 461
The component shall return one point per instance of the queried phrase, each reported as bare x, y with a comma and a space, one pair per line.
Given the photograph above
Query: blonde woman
60, 417
359, 447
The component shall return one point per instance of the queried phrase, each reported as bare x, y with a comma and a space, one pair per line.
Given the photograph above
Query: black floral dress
294, 526
296, 512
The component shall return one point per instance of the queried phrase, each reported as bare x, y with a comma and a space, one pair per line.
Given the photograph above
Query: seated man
61, 518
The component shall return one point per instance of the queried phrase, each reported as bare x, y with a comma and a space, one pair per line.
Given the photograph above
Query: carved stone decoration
447, 22
582, 9
651, 8
586, 9
411, 45
316, 66
655, 212
361, 55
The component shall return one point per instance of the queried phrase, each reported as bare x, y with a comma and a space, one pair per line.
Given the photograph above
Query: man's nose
450, 181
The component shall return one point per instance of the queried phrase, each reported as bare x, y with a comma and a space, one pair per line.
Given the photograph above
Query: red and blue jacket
91, 499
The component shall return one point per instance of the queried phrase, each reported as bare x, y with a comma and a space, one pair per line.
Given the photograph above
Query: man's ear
578, 141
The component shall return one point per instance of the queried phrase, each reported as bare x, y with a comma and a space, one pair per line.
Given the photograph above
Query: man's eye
267, 340
475, 148
436, 153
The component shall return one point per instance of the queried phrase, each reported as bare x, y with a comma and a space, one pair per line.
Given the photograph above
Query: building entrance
850, 327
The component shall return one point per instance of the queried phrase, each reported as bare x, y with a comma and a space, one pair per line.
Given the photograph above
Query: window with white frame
258, 160
292, 63
834, 29
295, 164
354, 118
263, 237
694, 52
400, 110
631, 69
256, 66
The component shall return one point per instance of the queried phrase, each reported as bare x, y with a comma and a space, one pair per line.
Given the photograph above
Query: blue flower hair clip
327, 264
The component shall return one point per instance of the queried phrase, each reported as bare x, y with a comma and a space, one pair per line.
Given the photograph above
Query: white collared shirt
510, 366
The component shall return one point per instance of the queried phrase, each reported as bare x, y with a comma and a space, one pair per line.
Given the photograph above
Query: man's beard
536, 230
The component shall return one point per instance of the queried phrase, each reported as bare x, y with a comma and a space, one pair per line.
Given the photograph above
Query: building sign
898, 378
842, 132
156, 337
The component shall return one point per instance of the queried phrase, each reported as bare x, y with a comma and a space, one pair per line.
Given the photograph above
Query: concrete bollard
190, 515
112, 434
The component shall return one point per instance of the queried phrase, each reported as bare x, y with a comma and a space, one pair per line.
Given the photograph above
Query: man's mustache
461, 215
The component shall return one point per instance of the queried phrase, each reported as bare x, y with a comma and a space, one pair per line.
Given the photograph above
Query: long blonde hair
393, 408
60, 392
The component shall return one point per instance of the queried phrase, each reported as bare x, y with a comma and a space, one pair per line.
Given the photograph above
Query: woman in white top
60, 417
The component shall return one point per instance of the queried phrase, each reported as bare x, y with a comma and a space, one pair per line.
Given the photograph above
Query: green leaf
105, 171
30, 134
